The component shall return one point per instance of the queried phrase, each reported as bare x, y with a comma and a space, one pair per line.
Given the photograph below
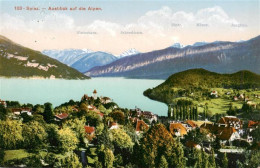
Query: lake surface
127, 93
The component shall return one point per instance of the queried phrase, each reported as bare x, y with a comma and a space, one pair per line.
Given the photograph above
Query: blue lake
127, 93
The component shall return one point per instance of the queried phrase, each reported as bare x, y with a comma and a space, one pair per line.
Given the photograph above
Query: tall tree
48, 112
163, 162
34, 135
10, 134
68, 140
212, 159
157, 142
77, 125
121, 138
225, 161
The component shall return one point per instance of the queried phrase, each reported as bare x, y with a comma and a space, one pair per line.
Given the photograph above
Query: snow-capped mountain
178, 45
200, 43
81, 59
131, 51
67, 56
220, 56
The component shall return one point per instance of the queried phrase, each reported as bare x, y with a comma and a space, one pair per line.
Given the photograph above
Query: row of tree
183, 111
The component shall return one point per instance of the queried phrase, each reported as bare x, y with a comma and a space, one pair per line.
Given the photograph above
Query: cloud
155, 22
58, 30
50, 22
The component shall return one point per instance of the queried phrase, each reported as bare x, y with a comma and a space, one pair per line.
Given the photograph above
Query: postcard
129, 83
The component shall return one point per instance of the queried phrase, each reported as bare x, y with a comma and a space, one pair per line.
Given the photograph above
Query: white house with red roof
114, 125
3, 103
61, 116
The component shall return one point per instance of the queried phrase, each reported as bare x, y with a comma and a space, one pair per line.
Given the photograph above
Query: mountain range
85, 59
218, 56
19, 61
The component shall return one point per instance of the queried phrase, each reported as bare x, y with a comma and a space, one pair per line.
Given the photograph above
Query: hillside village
96, 132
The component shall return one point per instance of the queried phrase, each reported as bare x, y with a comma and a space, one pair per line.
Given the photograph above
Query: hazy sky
120, 25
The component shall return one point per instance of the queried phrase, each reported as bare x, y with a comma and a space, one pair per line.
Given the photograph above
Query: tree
107, 157
68, 140
3, 112
34, 135
39, 109
198, 159
157, 142
256, 134
77, 125
118, 116
205, 160
121, 139
212, 159
254, 161
225, 161
169, 111
92, 118
53, 136
26, 118
70, 160
10, 134
48, 112
163, 162
104, 138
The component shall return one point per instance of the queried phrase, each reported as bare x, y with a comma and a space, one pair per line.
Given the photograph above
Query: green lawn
221, 105
16, 154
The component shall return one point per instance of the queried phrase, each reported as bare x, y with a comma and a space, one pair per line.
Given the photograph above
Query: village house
90, 131
227, 134
252, 125
249, 139
61, 116
144, 114
252, 104
19, 111
28, 111
247, 99
3, 103
177, 129
190, 125
230, 121
141, 127
114, 125
241, 96
191, 144
105, 100
214, 93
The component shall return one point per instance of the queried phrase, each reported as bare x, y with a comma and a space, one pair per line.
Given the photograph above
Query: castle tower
95, 94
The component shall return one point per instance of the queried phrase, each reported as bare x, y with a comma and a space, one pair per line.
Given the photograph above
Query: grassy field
16, 154
221, 104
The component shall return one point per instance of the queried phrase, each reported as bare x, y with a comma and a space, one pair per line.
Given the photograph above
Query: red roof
95, 91
89, 129
191, 123
21, 109
191, 144
224, 133
101, 114
114, 123
228, 120
62, 116
253, 123
178, 127
141, 125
